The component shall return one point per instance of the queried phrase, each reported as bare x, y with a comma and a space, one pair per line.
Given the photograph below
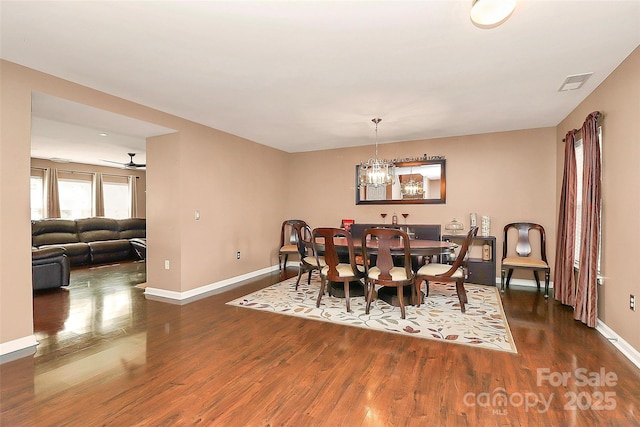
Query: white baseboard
529, 283
18, 348
624, 347
203, 291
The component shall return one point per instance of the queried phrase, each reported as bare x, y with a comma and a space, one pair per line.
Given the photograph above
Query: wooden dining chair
288, 241
381, 270
522, 257
334, 270
435, 272
309, 262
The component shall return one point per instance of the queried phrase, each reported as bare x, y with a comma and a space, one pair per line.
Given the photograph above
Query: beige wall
80, 167
509, 176
618, 99
204, 163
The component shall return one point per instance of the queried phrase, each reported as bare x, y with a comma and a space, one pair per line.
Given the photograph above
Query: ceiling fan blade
133, 166
111, 161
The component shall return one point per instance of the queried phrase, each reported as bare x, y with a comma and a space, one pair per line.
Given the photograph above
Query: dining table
417, 247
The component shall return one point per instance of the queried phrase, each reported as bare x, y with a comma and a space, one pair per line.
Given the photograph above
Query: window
75, 198
116, 197
579, 172
37, 196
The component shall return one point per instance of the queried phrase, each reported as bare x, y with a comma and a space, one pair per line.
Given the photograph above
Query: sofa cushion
53, 231
97, 229
78, 253
110, 250
132, 227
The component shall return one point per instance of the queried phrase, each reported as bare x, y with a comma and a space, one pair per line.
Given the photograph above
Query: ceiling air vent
574, 82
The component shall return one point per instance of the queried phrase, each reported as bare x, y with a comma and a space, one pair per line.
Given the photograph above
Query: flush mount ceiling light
376, 172
491, 13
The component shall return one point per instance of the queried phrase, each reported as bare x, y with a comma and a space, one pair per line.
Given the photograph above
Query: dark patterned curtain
586, 307
564, 278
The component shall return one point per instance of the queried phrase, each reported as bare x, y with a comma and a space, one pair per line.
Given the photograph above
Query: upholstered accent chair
520, 254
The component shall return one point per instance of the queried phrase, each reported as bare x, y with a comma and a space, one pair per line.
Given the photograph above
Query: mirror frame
414, 163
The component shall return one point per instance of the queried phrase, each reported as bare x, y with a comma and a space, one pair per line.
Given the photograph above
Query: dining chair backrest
384, 256
303, 239
523, 244
323, 241
459, 261
287, 232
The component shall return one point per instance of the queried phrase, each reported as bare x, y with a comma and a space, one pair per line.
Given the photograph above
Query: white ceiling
310, 75
67, 131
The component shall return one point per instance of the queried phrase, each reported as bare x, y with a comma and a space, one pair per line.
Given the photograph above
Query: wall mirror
424, 182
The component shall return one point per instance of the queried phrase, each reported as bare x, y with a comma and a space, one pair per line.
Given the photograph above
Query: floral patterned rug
483, 325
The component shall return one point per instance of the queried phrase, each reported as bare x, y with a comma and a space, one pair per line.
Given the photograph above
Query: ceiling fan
129, 165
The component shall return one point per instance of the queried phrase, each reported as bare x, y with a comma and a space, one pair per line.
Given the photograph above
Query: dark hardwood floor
108, 356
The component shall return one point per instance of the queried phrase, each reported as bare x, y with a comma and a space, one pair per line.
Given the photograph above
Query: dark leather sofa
49, 268
90, 240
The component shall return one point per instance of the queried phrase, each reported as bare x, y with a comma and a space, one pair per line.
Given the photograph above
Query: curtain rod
85, 173
579, 131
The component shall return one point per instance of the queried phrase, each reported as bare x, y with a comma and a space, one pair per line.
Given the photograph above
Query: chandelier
376, 172
412, 187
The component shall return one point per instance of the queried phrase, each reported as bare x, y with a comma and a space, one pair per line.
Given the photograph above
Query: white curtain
133, 180
53, 199
98, 191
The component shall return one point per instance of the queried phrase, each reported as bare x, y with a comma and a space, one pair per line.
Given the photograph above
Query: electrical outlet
166, 264
632, 302
238, 255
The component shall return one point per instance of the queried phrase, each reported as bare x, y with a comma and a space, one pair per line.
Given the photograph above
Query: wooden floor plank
108, 356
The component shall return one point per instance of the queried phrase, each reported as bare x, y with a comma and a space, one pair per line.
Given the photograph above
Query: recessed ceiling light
103, 134
574, 82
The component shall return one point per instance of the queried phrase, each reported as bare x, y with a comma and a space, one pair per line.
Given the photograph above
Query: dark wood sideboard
480, 271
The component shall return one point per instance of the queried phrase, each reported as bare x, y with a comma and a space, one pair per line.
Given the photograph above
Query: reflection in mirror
416, 182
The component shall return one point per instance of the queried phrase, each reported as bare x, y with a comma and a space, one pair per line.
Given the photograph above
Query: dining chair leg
509, 274
546, 283
418, 293
537, 277
346, 295
462, 295
368, 294
401, 299
309, 278
323, 283
300, 273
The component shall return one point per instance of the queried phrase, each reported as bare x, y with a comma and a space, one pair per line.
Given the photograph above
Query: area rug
484, 324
